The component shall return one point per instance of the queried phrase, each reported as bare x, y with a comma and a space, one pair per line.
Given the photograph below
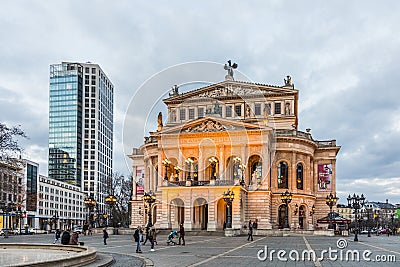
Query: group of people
151, 235
252, 225
66, 238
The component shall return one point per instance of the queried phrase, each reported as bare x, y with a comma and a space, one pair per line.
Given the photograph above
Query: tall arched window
299, 176
283, 175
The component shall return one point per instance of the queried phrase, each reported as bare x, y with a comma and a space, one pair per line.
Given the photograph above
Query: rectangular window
200, 112
238, 110
191, 113
277, 108
257, 109
228, 111
182, 114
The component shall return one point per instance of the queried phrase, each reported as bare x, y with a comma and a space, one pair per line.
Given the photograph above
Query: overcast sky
343, 57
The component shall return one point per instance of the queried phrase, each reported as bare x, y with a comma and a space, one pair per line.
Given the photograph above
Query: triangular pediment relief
211, 124
231, 89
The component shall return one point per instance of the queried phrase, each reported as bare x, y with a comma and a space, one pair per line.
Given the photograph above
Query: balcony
202, 183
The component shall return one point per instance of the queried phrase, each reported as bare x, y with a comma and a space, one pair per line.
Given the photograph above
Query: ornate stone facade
248, 143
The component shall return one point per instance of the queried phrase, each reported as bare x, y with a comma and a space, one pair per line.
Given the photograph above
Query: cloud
343, 57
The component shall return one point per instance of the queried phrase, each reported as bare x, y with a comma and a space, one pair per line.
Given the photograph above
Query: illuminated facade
238, 136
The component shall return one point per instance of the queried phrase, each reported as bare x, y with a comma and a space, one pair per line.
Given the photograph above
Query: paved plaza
237, 251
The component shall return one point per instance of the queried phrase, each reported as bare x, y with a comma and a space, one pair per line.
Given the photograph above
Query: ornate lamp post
54, 219
286, 199
90, 203
356, 202
213, 161
166, 163
228, 198
189, 162
331, 201
110, 200
177, 171
242, 167
149, 198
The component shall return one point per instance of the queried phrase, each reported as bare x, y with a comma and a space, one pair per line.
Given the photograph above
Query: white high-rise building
81, 128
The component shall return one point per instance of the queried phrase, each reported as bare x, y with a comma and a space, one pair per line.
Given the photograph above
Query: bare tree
8, 136
121, 187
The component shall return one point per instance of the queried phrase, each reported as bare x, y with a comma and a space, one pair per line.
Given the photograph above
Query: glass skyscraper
81, 127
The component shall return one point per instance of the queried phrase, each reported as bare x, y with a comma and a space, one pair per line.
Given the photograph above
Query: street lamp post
149, 198
111, 200
90, 203
286, 199
55, 220
356, 202
331, 201
228, 198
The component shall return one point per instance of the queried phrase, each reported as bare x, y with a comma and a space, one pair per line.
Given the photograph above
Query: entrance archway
221, 213
200, 214
177, 212
281, 216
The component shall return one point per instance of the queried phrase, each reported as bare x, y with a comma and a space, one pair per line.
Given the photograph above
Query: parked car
385, 231
10, 231
78, 229
33, 231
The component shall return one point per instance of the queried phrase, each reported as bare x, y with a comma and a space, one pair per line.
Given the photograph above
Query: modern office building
232, 152
81, 128
60, 205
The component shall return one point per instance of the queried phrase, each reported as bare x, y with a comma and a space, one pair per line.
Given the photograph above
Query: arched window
299, 176
283, 175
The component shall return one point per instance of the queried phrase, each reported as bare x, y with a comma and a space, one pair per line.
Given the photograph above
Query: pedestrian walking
147, 235
250, 233
138, 237
181, 234
57, 236
105, 236
151, 236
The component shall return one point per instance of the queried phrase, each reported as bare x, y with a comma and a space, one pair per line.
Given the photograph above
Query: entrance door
302, 215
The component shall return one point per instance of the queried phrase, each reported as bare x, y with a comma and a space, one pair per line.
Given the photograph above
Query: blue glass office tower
65, 123
81, 127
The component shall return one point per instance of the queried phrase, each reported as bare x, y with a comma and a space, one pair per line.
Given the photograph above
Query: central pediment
211, 124
228, 89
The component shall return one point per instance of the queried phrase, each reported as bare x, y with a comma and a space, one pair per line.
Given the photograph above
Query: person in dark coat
57, 236
105, 236
181, 234
65, 237
138, 237
250, 233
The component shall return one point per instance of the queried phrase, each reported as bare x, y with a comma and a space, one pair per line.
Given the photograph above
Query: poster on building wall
324, 177
139, 182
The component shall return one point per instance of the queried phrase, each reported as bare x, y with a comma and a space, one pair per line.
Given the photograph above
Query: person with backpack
105, 236
65, 237
138, 237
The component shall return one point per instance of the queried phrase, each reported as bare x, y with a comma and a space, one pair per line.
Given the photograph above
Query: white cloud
343, 56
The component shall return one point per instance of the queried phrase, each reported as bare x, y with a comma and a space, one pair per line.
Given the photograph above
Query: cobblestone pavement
237, 251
